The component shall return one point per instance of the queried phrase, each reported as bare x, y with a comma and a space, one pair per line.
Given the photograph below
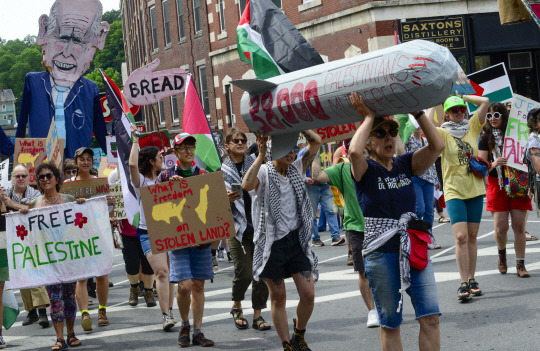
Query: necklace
52, 202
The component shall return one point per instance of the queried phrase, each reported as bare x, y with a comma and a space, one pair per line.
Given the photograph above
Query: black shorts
286, 258
356, 240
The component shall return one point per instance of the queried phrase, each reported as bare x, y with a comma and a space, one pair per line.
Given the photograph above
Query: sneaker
168, 323
520, 269
349, 260
372, 319
133, 296
475, 289
463, 292
86, 322
220, 256
3, 344
298, 342
215, 264
338, 240
229, 257
317, 242
149, 298
503, 267
183, 336
171, 316
31, 318
200, 340
102, 320
44, 321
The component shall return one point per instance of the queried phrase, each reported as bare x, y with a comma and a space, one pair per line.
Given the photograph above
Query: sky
20, 18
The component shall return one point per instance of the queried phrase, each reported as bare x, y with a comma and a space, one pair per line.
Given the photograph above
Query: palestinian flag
407, 125
122, 119
196, 124
491, 82
269, 42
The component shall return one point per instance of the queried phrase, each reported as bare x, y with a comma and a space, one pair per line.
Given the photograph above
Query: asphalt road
504, 318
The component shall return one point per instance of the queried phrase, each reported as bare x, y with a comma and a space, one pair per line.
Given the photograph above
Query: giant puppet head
69, 37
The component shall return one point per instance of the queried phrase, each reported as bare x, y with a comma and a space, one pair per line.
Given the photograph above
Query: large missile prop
399, 79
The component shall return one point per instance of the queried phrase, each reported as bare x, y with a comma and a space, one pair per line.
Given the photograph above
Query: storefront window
481, 62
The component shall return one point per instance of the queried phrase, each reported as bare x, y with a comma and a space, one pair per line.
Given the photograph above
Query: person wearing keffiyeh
499, 203
283, 219
388, 200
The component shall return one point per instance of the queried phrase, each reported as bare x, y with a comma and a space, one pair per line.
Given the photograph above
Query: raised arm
482, 103
134, 159
317, 173
359, 164
314, 143
535, 157
250, 180
425, 157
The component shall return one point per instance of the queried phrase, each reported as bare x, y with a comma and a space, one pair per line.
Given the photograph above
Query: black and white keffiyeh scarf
231, 176
267, 207
497, 151
456, 129
379, 230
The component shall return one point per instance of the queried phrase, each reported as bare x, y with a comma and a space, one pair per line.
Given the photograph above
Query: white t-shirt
143, 182
287, 197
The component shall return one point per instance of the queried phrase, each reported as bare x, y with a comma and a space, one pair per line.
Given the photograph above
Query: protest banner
515, 137
4, 172
86, 188
55, 154
190, 211
112, 150
105, 168
119, 210
59, 244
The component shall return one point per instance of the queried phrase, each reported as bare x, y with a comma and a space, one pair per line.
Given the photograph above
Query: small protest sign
169, 161
105, 168
86, 188
55, 154
119, 210
515, 138
190, 211
4, 172
98, 154
112, 150
30, 152
59, 244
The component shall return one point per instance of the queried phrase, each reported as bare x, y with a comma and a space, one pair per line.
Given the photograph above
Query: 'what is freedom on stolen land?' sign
59, 244
187, 212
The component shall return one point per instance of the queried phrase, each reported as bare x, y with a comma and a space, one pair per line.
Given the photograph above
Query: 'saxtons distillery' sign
445, 31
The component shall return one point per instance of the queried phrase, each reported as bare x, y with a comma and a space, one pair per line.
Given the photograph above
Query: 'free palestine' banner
59, 244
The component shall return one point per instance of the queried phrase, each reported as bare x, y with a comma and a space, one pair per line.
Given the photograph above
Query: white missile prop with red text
399, 79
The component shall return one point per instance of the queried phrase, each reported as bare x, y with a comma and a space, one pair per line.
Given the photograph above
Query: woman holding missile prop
395, 243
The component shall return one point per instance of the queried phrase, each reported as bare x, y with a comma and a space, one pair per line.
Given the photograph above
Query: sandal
72, 340
443, 219
258, 322
236, 313
529, 237
60, 345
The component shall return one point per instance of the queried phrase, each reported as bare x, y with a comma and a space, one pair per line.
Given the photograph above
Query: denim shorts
191, 263
382, 273
145, 242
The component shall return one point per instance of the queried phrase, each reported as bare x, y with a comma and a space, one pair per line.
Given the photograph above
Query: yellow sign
448, 32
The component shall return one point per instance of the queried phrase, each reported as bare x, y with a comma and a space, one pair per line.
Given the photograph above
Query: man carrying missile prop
283, 219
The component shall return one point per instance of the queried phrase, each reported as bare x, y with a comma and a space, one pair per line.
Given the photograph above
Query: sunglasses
495, 115
23, 176
381, 132
71, 171
461, 109
185, 148
238, 141
42, 177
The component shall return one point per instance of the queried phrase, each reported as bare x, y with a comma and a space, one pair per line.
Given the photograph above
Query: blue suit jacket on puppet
82, 111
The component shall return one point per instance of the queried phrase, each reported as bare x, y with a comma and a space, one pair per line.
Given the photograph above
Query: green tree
112, 54
112, 16
96, 77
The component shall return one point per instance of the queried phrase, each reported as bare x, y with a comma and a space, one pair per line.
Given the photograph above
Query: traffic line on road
454, 246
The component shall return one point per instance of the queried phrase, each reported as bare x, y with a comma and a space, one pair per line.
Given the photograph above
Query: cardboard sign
4, 173
59, 244
194, 210
55, 154
119, 210
515, 138
112, 150
105, 168
146, 87
30, 152
86, 188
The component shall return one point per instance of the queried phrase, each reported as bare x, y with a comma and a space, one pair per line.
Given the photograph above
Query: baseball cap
385, 121
453, 101
180, 138
81, 151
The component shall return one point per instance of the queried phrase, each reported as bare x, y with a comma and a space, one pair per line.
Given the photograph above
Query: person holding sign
463, 191
234, 168
283, 220
84, 159
144, 167
62, 296
499, 203
17, 197
191, 266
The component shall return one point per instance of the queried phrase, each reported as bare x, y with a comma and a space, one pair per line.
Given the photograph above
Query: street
504, 318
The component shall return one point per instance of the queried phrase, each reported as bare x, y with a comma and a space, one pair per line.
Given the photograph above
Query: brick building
337, 29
